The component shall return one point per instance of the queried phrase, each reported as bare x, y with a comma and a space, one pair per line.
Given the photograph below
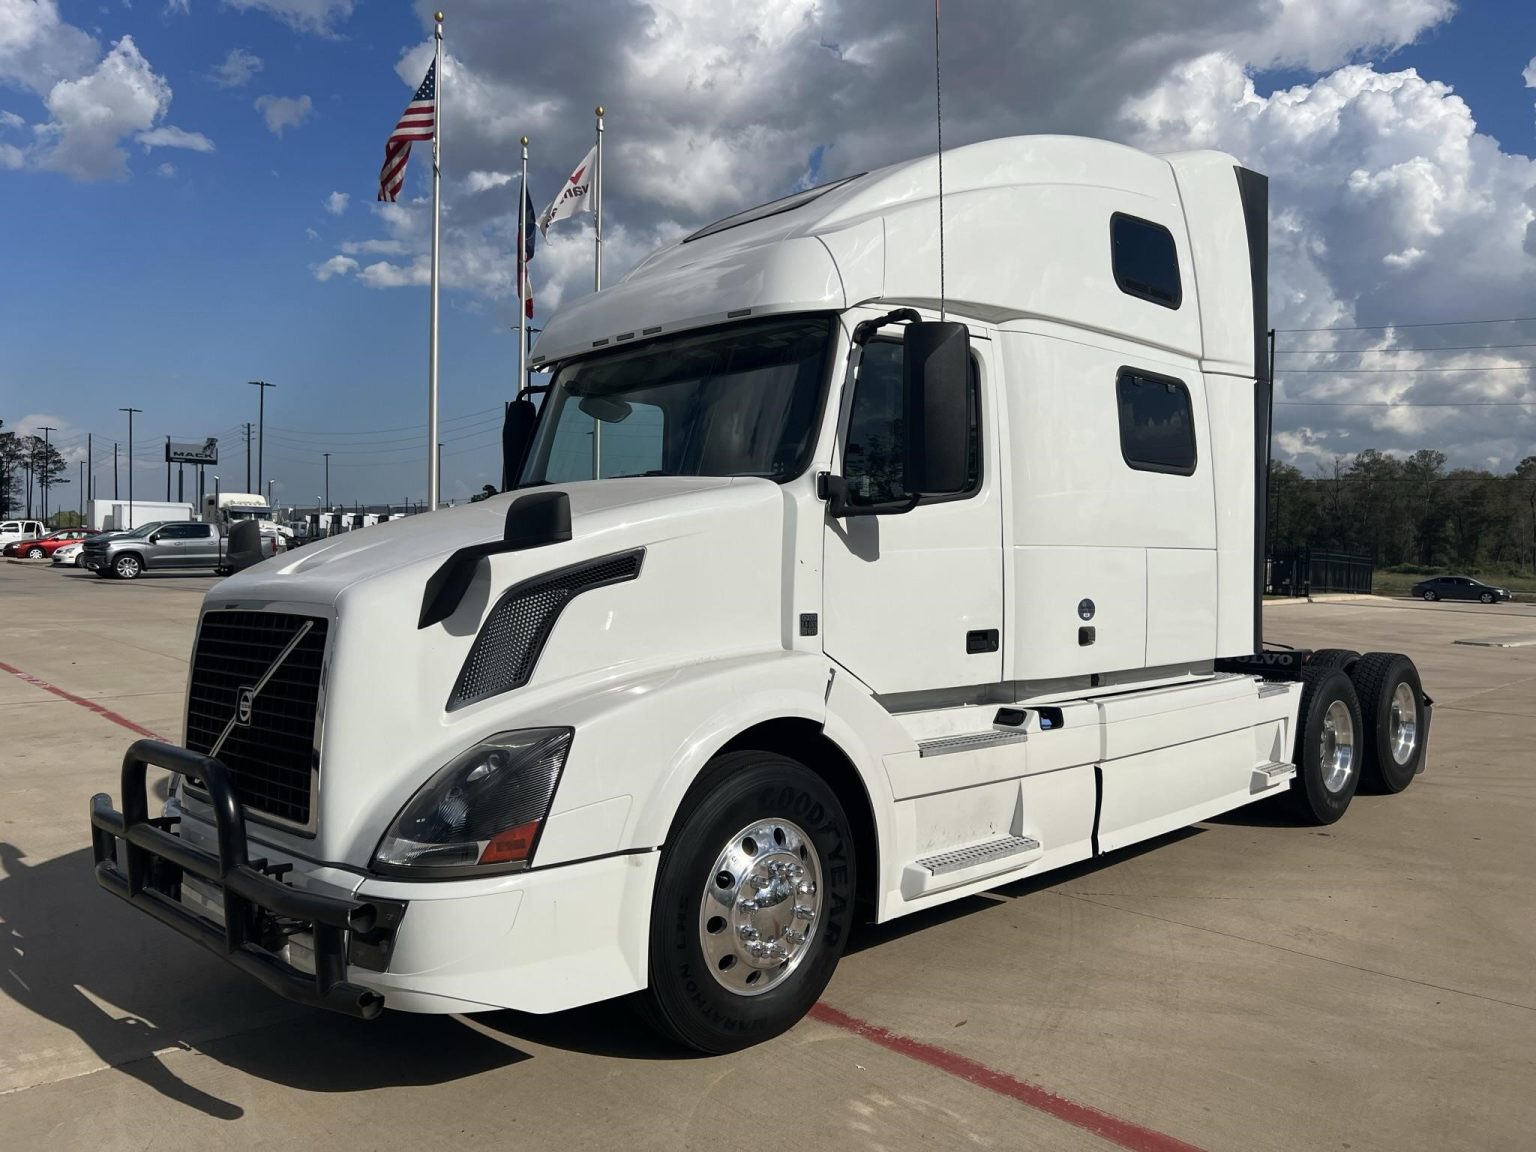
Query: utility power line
1418, 324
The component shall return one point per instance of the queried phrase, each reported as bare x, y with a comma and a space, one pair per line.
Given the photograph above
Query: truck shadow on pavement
80, 959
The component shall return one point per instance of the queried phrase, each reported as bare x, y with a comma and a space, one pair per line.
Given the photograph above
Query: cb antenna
938, 102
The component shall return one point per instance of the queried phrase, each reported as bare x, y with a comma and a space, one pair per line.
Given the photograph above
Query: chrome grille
272, 760
513, 636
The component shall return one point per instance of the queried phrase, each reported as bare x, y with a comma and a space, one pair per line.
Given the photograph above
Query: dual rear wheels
1362, 723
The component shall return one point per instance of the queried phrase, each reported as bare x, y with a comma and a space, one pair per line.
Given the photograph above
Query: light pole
261, 426
130, 412
327, 456
270, 482
46, 428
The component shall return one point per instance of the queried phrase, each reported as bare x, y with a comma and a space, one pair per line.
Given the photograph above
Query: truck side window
1145, 260
872, 454
1157, 423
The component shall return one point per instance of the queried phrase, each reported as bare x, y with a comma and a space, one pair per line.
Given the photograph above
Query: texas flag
575, 194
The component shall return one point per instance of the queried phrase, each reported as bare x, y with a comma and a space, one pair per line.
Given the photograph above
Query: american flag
417, 122
525, 254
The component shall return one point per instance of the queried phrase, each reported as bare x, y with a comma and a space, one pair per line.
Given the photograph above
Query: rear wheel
1431, 595
753, 904
1392, 706
1329, 746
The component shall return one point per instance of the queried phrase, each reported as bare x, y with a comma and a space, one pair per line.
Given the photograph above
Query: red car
36, 549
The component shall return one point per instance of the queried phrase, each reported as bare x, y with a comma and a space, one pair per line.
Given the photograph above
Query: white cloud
336, 203
283, 112
12, 156
335, 266
167, 169
1323, 35
237, 69
38, 49
477, 181
184, 7
92, 115
11, 120
317, 16
311, 234
168, 137
1529, 75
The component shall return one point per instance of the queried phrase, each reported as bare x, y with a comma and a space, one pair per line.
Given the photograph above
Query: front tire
34, 553
1486, 597
753, 904
1330, 745
127, 567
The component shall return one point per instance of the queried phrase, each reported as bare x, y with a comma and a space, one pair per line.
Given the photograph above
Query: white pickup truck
826, 588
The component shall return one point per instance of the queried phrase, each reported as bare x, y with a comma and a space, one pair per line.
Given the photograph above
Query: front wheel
1486, 597
34, 553
753, 905
127, 567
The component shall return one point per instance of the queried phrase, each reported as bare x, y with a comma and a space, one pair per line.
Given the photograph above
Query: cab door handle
981, 640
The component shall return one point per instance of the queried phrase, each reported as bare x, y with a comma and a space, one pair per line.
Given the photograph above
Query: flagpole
597, 179
522, 276
434, 476
597, 279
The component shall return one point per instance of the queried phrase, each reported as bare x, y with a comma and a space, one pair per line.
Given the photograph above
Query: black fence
1309, 571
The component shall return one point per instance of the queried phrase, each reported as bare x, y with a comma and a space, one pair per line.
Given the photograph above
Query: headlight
483, 811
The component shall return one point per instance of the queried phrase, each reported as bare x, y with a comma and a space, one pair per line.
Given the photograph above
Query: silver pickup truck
176, 545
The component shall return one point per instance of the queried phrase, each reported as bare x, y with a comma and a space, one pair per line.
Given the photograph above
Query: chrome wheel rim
1403, 723
761, 906
128, 566
1337, 746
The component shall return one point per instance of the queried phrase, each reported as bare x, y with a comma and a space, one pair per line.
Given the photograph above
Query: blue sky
169, 288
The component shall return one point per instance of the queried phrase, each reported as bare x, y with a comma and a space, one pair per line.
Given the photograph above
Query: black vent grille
271, 760
513, 635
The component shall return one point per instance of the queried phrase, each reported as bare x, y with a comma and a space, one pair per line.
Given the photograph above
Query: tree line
26, 464
1408, 511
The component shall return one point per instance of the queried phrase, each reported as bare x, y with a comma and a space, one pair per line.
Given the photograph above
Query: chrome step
1267, 776
1000, 849
970, 742
1273, 688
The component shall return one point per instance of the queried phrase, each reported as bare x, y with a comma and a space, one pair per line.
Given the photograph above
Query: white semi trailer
829, 586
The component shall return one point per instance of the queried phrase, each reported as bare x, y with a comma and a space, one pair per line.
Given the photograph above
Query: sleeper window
872, 457
1145, 260
1157, 423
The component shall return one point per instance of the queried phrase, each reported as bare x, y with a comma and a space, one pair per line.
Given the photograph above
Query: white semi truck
226, 509
828, 586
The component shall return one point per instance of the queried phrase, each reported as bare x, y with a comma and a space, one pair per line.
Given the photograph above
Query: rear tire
1343, 658
1431, 595
734, 957
1329, 746
1392, 706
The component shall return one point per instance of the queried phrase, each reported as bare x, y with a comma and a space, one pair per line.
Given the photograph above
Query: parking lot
1242, 984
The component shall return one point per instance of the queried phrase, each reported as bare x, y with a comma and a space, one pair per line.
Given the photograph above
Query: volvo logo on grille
245, 700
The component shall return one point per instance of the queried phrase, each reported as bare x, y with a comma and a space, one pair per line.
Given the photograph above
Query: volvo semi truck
838, 574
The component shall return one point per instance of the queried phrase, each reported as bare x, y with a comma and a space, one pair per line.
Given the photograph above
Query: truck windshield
740, 400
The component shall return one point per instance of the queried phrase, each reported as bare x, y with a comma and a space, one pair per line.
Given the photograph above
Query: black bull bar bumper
259, 910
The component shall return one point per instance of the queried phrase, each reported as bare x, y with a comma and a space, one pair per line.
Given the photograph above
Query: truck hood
411, 549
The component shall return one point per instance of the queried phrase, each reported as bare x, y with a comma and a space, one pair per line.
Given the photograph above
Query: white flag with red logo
575, 194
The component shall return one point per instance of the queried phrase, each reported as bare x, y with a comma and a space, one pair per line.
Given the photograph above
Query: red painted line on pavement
1090, 1119
105, 713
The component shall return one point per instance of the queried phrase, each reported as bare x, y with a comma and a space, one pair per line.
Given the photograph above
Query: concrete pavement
1243, 984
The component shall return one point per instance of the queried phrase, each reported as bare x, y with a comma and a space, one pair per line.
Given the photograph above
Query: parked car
21, 530
1459, 588
69, 555
45, 545
172, 545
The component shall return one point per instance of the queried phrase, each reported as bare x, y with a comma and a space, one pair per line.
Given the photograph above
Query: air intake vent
513, 635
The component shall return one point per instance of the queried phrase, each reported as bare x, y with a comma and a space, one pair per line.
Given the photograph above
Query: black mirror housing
516, 436
936, 365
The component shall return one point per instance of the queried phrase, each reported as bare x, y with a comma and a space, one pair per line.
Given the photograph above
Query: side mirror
516, 435
935, 384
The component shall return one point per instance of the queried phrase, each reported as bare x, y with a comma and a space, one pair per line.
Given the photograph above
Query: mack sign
180, 452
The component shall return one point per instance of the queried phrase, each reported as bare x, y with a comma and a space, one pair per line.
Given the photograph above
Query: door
913, 601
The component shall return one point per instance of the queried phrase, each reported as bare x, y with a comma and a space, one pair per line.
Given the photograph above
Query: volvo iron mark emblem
245, 699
